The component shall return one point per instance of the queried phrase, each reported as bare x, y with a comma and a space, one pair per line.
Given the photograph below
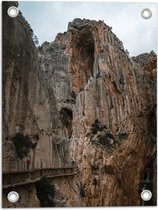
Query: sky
138, 35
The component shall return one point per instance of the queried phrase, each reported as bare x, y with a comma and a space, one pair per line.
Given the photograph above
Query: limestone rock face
112, 98
88, 102
29, 107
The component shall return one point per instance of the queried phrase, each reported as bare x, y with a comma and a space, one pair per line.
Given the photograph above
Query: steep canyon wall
83, 100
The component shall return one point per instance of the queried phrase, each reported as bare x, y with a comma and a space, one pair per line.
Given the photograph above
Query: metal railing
24, 177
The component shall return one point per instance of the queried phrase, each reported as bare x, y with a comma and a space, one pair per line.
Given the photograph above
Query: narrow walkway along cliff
79, 105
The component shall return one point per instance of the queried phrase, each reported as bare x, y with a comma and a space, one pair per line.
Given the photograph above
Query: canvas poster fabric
79, 104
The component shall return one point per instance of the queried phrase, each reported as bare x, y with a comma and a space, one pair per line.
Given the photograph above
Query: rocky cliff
29, 109
82, 100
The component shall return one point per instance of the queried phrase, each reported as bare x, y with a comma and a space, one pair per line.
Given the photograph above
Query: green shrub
95, 142
22, 145
103, 138
97, 126
45, 192
106, 138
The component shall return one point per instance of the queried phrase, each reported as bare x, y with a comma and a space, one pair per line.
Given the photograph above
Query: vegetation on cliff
103, 138
45, 192
22, 144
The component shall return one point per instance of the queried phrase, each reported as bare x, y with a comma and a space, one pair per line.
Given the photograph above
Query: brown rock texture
116, 93
88, 102
29, 108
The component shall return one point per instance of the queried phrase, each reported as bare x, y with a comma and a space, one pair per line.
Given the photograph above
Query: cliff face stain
45, 192
81, 87
83, 49
66, 117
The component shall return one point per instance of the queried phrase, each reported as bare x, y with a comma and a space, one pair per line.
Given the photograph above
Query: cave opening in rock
66, 117
82, 59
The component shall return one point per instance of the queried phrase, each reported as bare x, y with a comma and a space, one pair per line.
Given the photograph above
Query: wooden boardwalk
18, 178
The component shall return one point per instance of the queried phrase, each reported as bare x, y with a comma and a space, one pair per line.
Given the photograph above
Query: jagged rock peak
79, 23
86, 102
145, 57
90, 30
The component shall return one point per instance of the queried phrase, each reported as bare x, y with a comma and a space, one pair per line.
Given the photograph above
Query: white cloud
138, 35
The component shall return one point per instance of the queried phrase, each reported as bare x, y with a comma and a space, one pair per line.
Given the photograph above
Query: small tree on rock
35, 40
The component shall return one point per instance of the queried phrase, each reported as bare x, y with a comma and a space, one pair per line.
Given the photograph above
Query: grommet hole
146, 195
13, 11
146, 13
13, 197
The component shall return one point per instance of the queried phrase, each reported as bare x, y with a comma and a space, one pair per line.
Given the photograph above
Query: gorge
83, 111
